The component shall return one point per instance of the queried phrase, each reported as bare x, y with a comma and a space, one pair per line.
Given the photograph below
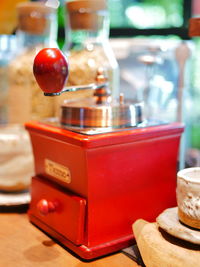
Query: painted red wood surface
68, 215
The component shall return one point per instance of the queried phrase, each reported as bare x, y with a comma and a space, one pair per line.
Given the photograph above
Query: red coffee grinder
98, 169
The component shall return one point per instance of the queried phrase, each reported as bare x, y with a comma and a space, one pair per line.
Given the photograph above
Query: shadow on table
14, 209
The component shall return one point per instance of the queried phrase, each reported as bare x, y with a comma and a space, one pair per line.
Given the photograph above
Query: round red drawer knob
45, 207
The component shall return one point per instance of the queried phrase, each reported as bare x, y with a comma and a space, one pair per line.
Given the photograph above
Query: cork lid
33, 16
86, 5
83, 14
194, 27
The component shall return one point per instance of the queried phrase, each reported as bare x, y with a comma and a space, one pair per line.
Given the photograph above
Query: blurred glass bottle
7, 52
61, 23
37, 28
87, 43
194, 32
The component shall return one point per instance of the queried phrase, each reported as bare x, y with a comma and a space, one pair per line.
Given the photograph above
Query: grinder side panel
130, 181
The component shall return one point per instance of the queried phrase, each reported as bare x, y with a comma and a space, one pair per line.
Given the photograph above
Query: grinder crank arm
92, 86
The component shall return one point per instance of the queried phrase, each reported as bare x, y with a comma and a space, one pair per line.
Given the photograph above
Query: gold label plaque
58, 171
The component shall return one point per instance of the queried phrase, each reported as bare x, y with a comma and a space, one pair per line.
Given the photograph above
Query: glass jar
7, 52
87, 45
193, 154
37, 28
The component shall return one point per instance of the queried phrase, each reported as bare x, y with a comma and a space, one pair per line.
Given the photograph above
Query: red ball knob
50, 69
45, 207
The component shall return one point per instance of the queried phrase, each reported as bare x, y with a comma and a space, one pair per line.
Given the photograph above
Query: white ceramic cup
188, 196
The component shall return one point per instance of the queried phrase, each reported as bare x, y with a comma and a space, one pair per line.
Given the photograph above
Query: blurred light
146, 16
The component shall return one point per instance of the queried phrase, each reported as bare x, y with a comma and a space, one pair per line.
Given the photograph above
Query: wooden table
23, 245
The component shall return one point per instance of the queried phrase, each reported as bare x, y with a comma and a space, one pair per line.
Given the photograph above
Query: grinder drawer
62, 211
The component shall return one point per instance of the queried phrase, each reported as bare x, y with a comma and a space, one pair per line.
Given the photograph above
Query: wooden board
159, 249
23, 245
